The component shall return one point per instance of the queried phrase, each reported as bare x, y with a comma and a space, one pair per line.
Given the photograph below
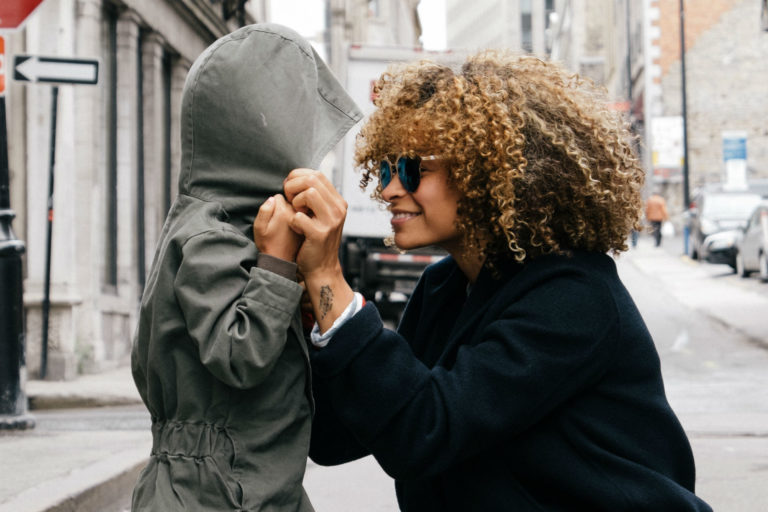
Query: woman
522, 376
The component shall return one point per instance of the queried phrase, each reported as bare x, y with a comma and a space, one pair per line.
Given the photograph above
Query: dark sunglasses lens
409, 172
385, 174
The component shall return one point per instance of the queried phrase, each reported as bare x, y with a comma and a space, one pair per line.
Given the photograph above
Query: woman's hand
272, 232
320, 215
320, 219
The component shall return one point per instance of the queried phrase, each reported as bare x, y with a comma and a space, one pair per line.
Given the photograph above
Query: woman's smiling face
428, 215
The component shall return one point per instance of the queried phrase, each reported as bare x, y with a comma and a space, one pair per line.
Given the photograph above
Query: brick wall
699, 18
726, 75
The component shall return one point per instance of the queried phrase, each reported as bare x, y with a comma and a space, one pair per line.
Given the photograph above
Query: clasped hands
306, 226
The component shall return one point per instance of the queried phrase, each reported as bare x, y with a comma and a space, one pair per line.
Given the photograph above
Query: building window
167, 161
764, 15
549, 8
374, 8
550, 19
526, 25
110, 195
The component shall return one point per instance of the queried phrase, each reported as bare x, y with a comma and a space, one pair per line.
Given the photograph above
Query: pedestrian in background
522, 376
219, 357
656, 213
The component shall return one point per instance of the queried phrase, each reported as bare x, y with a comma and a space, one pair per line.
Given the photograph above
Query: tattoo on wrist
326, 300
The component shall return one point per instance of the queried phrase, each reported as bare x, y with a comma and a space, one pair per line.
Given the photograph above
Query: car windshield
730, 206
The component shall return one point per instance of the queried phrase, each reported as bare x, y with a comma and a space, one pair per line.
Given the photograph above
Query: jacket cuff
279, 266
351, 338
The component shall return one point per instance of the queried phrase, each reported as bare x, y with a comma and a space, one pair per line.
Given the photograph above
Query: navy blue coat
541, 390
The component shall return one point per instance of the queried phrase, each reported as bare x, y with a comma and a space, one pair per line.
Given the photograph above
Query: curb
76, 401
736, 301
90, 489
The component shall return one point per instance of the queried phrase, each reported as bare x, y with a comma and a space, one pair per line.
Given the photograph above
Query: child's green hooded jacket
219, 356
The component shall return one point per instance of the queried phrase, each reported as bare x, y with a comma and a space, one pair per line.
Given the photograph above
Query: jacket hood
257, 104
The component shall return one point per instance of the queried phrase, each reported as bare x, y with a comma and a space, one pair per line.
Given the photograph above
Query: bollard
13, 402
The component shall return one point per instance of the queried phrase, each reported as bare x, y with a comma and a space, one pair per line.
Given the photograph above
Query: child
219, 356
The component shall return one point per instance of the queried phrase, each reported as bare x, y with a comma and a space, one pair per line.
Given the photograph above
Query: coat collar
452, 281
484, 288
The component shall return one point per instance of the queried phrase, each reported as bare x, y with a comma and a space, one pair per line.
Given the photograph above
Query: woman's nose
393, 190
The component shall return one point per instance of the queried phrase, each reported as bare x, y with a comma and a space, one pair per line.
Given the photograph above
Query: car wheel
740, 270
763, 267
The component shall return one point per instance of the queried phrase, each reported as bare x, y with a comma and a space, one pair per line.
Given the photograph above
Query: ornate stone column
118, 304
154, 141
179, 69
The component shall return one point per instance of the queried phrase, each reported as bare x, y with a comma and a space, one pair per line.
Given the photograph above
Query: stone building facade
118, 152
633, 49
379, 22
369, 22
599, 39
603, 40
117, 159
519, 26
726, 72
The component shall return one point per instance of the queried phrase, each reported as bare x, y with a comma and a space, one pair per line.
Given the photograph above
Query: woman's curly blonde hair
541, 163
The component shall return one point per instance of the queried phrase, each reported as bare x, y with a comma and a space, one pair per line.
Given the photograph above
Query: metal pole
629, 54
47, 283
627, 15
13, 402
686, 186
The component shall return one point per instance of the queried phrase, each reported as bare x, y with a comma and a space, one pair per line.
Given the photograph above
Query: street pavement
46, 469
714, 371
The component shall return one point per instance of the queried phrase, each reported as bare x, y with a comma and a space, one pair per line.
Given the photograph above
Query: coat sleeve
332, 442
418, 421
237, 314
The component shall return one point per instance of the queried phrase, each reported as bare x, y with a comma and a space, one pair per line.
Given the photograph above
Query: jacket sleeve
237, 314
533, 356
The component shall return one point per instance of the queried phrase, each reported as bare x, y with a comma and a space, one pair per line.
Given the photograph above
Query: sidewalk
72, 470
83, 470
740, 308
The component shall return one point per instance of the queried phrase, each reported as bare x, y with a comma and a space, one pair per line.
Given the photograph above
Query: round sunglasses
408, 171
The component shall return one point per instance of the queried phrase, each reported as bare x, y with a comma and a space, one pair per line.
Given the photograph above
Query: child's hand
272, 232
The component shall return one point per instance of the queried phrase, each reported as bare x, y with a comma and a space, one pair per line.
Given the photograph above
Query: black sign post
55, 70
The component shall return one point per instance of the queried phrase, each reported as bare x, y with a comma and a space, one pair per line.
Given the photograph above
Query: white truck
382, 274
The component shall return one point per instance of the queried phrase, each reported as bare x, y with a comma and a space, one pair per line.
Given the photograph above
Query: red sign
14, 12
2, 66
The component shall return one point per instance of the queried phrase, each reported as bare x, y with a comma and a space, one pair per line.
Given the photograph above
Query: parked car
752, 245
758, 186
721, 247
713, 211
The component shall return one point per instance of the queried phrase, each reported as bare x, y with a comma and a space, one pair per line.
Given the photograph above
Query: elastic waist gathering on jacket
188, 439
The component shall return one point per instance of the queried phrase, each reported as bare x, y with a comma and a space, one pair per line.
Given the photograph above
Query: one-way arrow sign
31, 68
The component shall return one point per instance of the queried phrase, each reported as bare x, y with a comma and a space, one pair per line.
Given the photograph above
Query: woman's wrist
321, 340
330, 295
